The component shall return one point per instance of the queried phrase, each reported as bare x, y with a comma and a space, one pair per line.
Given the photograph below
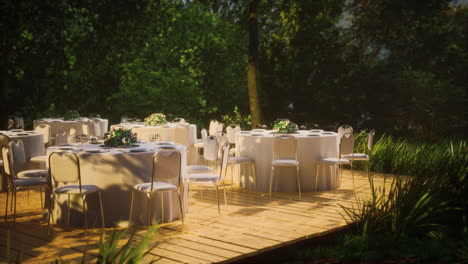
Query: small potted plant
120, 138
71, 115
284, 126
155, 119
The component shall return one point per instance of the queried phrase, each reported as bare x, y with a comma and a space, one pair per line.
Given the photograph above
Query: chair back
347, 144
11, 124
167, 167
180, 134
222, 139
344, 129
224, 160
213, 127
64, 167
370, 139
96, 128
4, 140
285, 147
7, 166
231, 132
18, 159
204, 134
61, 137
72, 131
86, 130
210, 148
45, 130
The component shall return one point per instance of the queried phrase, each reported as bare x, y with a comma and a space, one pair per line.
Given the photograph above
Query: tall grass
431, 200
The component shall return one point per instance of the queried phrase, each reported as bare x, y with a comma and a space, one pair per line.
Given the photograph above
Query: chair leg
6, 204
180, 207
162, 207
51, 199
298, 182
14, 208
217, 198
131, 210
271, 178
68, 205
85, 213
232, 177
317, 176
224, 189
148, 222
102, 209
352, 175
42, 203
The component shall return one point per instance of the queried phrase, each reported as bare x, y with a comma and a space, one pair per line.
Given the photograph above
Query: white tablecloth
259, 146
60, 125
115, 172
164, 133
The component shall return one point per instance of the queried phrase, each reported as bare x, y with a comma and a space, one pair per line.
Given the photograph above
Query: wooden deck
251, 223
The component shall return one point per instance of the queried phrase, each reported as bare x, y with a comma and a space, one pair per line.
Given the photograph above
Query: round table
311, 147
164, 133
115, 171
60, 125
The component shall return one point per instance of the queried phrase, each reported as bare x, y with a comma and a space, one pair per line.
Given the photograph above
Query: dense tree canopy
396, 65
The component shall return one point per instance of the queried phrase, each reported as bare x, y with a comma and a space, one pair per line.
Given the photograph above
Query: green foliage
245, 122
130, 252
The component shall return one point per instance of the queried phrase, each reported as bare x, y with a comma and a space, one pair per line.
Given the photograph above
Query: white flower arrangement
155, 119
284, 126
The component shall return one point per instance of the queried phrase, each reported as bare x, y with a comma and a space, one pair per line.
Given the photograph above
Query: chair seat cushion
27, 182
39, 159
236, 160
285, 162
356, 156
203, 178
75, 189
157, 187
199, 145
199, 169
32, 174
333, 161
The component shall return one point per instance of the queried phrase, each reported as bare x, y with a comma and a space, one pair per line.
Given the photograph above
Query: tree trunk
252, 83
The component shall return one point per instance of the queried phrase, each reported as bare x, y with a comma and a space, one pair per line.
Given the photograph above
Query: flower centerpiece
120, 137
284, 126
71, 115
155, 119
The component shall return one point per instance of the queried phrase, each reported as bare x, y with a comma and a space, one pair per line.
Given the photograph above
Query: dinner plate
316, 130
22, 134
167, 147
138, 150
64, 144
16, 130
64, 148
328, 133
313, 135
94, 150
256, 135
164, 143
245, 132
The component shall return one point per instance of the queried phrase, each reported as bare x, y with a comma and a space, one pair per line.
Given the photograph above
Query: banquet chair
362, 156
210, 154
285, 155
233, 161
346, 143
61, 137
344, 129
65, 177
165, 177
213, 128
231, 132
45, 130
15, 183
222, 139
200, 143
95, 125
4, 140
18, 162
211, 178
